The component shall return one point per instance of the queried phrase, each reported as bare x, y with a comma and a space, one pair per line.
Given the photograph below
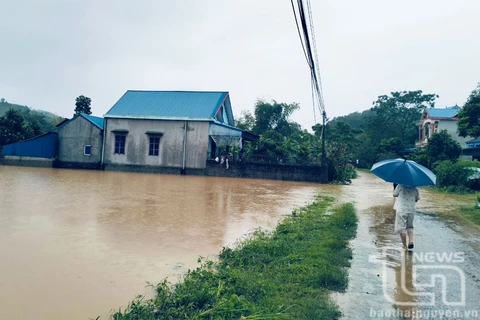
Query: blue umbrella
406, 172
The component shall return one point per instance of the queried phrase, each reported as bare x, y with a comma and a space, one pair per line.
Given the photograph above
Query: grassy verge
286, 274
471, 213
466, 208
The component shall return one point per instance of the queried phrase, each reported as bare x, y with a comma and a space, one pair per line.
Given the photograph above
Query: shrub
349, 172
454, 175
419, 156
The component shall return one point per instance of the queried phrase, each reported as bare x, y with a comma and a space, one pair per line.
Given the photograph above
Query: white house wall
73, 137
451, 127
171, 148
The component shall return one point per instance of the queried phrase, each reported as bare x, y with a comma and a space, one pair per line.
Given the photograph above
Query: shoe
410, 246
404, 249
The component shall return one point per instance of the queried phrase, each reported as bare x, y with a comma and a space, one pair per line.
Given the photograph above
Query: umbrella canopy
406, 172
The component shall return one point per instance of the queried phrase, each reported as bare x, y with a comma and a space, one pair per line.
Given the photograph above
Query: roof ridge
89, 117
193, 91
168, 104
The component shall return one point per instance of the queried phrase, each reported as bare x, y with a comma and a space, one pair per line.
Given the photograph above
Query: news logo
422, 278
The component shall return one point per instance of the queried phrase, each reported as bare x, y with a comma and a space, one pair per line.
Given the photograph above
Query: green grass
466, 201
471, 213
286, 274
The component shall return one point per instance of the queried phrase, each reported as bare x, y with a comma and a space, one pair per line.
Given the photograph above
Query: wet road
439, 279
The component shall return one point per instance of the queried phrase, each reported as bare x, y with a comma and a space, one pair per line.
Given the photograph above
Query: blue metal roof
443, 113
95, 120
168, 105
218, 128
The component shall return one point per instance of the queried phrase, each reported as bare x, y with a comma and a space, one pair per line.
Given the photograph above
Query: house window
87, 150
154, 146
119, 144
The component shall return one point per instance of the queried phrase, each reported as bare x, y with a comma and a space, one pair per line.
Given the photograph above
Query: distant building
80, 142
435, 119
472, 151
170, 129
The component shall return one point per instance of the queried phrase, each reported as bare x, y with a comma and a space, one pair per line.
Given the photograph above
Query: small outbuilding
37, 151
80, 141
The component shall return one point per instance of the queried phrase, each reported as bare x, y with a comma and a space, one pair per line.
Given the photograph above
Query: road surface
439, 279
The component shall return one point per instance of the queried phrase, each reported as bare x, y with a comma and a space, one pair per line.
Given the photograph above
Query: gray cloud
53, 51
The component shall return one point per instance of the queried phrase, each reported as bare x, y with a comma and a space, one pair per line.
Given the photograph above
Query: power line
306, 34
307, 41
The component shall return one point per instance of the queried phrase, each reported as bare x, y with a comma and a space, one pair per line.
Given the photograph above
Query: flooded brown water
76, 244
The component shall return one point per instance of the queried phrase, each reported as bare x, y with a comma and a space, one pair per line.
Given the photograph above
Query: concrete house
173, 130
80, 142
436, 119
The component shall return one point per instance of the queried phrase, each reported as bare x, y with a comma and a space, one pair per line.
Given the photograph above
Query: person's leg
410, 229
403, 236
401, 227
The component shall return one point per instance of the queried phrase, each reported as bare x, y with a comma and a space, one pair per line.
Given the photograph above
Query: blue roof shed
42, 146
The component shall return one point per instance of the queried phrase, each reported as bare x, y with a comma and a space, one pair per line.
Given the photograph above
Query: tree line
386, 130
20, 122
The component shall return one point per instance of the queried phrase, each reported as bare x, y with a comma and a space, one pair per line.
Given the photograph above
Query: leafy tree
39, 119
396, 115
343, 132
82, 105
358, 120
393, 146
339, 168
246, 121
274, 116
12, 127
468, 123
419, 156
441, 146
32, 129
270, 146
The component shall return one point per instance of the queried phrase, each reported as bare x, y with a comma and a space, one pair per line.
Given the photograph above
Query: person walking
405, 204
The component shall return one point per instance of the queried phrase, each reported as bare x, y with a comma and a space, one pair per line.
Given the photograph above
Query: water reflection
76, 243
405, 292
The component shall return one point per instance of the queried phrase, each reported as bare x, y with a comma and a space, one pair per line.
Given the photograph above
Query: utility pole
324, 156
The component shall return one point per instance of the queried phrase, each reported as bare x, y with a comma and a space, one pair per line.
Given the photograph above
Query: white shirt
406, 198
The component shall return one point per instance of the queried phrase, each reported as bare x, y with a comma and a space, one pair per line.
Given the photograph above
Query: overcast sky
53, 51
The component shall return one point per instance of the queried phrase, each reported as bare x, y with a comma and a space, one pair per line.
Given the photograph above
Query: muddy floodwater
75, 244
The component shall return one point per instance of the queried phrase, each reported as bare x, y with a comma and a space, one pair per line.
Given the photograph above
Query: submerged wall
267, 171
214, 169
27, 161
241, 170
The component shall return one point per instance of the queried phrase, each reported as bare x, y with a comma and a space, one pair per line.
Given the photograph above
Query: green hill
45, 120
5, 106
